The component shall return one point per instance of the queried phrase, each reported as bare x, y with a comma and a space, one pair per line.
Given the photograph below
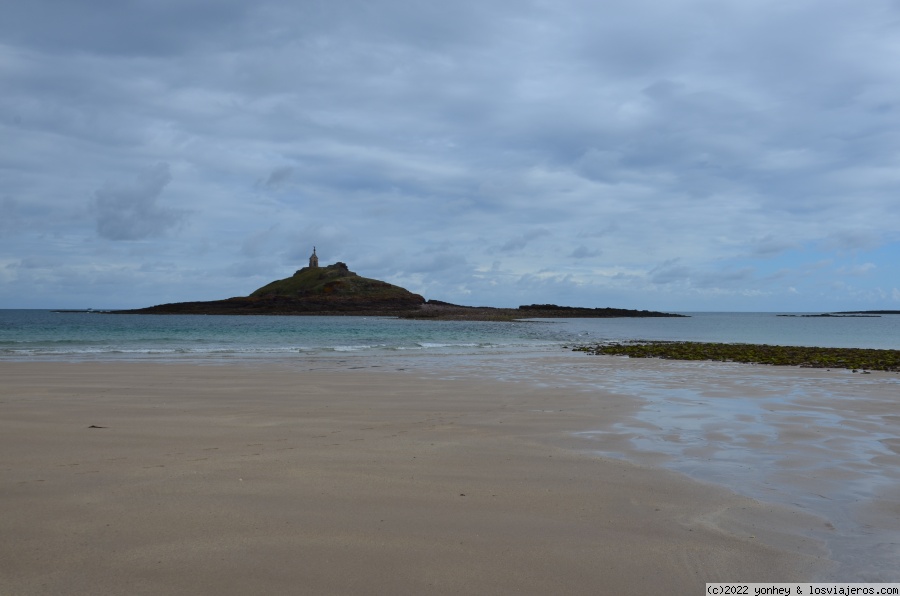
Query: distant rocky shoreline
437, 310
849, 314
334, 290
429, 310
833, 315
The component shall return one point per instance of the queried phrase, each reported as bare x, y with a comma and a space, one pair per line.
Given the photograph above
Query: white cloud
856, 270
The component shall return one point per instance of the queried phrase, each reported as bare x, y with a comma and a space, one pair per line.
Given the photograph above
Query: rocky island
335, 290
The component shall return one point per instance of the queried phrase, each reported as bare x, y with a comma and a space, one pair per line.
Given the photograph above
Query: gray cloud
9, 215
583, 252
771, 245
720, 138
263, 242
522, 240
250, 268
853, 240
131, 212
670, 272
126, 28
279, 177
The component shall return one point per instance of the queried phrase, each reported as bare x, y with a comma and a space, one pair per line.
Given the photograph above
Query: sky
676, 155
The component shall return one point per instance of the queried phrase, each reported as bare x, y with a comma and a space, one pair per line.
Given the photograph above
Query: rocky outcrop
548, 311
331, 290
335, 290
438, 310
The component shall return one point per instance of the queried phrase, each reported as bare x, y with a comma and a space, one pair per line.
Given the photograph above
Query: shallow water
824, 442
27, 334
882, 332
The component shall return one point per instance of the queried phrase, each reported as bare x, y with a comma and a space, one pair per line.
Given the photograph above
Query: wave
77, 349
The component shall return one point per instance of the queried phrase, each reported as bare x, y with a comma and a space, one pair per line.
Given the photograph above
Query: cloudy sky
660, 154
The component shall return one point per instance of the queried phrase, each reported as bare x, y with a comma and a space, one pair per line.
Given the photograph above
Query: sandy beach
155, 478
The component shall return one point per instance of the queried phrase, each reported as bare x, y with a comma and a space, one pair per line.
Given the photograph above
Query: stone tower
314, 260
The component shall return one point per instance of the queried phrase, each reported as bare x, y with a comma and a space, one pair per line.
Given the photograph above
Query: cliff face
322, 290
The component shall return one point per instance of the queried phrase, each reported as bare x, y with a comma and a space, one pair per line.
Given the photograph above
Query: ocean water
28, 334
881, 332
40, 334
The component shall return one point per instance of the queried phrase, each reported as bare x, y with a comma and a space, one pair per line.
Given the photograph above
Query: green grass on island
851, 358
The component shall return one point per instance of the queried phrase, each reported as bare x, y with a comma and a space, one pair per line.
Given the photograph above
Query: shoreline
258, 477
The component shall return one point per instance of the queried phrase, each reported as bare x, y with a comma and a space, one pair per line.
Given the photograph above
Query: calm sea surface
42, 334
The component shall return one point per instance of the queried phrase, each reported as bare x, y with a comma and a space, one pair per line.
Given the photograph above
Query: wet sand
151, 478
825, 442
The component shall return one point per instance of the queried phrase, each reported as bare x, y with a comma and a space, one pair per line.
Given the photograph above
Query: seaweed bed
852, 358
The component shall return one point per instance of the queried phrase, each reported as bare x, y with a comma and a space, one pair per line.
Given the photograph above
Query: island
335, 290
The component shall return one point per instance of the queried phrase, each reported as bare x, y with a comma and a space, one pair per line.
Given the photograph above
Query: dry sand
151, 478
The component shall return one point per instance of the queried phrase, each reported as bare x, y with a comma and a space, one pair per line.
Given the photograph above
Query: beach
172, 478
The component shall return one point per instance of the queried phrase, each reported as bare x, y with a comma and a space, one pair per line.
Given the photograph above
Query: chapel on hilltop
314, 260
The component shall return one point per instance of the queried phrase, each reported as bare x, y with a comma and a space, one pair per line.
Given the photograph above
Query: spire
313, 260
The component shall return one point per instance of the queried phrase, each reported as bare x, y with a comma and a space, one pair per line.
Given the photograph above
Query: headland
335, 290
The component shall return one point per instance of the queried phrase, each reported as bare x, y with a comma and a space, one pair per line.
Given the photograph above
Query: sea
46, 334
696, 418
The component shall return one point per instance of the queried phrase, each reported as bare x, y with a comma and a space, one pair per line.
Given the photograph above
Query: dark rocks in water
834, 315
335, 290
437, 309
803, 356
552, 310
850, 314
